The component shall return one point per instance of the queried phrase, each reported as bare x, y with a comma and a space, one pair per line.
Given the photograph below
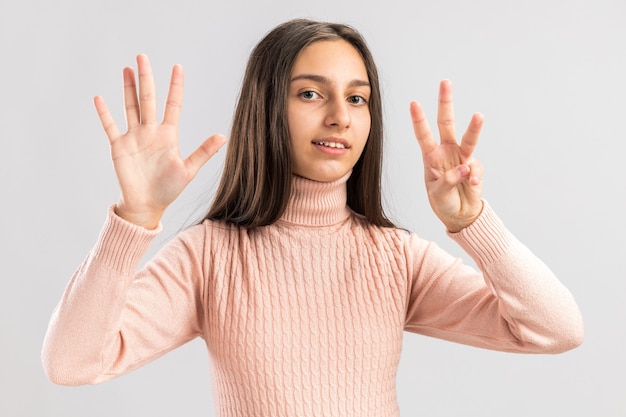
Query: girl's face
328, 110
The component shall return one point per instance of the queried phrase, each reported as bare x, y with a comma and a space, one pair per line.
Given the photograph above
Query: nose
338, 113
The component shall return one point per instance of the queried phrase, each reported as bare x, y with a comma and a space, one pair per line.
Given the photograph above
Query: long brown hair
256, 182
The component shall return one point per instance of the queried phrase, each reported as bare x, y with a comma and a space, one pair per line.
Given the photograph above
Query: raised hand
453, 177
146, 158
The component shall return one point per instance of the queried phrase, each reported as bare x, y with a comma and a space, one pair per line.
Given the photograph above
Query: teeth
332, 145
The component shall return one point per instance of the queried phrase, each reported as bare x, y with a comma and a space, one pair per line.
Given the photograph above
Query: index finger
421, 128
470, 138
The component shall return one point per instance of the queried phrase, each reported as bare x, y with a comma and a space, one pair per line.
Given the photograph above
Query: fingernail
464, 170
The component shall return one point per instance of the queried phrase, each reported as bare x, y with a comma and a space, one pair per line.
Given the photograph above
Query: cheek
365, 126
295, 133
364, 131
296, 123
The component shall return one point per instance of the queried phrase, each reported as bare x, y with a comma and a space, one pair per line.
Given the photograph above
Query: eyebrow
323, 80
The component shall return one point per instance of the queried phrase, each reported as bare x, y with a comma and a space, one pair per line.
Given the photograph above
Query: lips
331, 144
337, 143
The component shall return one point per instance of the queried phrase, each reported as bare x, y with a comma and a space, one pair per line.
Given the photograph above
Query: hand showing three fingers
146, 158
453, 178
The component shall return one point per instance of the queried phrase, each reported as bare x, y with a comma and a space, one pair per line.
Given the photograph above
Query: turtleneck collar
314, 203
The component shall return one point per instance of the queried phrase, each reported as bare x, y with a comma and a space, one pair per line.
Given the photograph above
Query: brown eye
358, 100
309, 95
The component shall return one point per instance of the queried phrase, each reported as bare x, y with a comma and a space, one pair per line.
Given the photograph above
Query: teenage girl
297, 281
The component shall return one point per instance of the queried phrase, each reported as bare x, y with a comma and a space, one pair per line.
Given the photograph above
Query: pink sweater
304, 317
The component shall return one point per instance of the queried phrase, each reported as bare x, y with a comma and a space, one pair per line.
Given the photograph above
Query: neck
314, 203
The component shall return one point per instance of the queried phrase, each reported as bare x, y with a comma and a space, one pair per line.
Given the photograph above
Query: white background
549, 76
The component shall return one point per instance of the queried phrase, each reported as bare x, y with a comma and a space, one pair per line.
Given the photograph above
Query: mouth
332, 143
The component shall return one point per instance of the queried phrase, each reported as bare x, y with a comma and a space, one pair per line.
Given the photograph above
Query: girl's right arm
106, 299
113, 318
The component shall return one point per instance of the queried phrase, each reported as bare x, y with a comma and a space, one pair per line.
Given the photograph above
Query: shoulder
213, 229
199, 235
220, 235
396, 238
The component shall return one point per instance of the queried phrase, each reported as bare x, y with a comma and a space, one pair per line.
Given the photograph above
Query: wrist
147, 219
456, 224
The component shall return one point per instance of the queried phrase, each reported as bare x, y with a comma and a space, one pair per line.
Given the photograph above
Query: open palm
146, 158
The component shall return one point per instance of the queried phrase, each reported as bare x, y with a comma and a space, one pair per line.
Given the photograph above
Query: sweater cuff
122, 244
485, 239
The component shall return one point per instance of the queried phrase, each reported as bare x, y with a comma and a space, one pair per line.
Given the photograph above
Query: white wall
549, 76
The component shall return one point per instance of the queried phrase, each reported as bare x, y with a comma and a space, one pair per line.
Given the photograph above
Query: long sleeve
515, 303
304, 316
113, 318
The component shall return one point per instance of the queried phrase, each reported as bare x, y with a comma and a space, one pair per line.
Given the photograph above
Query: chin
322, 177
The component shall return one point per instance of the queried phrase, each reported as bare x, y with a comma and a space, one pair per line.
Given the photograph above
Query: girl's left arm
513, 303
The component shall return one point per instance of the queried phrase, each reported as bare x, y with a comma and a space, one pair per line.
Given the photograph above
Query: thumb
455, 176
200, 156
472, 172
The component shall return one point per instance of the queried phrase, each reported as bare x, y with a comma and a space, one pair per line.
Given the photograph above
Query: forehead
334, 59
